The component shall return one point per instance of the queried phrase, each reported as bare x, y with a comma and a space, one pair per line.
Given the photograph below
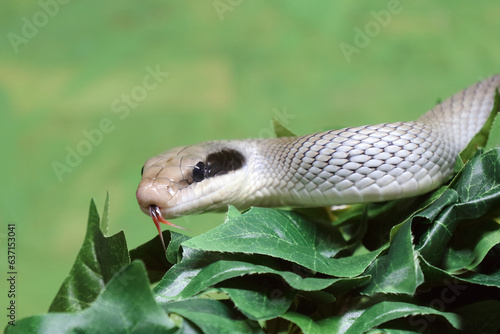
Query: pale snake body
353, 165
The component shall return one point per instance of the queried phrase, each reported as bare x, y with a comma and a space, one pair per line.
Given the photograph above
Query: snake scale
353, 165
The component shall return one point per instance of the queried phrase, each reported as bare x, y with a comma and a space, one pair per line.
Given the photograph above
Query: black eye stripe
218, 163
222, 162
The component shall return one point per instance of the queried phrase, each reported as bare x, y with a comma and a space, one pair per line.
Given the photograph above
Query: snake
362, 164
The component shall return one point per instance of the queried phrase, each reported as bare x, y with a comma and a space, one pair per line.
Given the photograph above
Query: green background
232, 66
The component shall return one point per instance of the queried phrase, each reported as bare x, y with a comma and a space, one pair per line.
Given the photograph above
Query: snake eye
199, 172
142, 170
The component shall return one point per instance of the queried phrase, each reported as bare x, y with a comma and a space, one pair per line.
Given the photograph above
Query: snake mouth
155, 213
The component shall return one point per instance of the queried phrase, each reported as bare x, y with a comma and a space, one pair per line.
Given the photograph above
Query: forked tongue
155, 213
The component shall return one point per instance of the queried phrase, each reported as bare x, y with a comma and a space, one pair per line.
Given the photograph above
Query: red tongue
155, 213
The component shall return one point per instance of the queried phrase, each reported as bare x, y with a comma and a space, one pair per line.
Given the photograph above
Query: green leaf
105, 216
222, 270
153, 256
308, 326
280, 130
232, 212
126, 305
353, 321
470, 244
434, 274
494, 136
474, 192
361, 321
99, 259
212, 316
391, 331
305, 323
481, 317
398, 271
280, 234
199, 271
174, 254
258, 297
180, 275
492, 280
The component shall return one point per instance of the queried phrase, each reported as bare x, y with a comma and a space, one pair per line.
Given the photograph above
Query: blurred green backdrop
231, 64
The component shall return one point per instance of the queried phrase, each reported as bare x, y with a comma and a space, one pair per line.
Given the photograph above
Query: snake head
191, 179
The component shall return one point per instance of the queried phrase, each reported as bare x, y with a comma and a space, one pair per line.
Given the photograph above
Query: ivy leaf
174, 254
280, 234
258, 297
152, 255
434, 274
398, 271
126, 305
222, 270
470, 244
199, 271
494, 135
180, 275
281, 130
99, 259
362, 321
481, 317
212, 316
309, 326
475, 191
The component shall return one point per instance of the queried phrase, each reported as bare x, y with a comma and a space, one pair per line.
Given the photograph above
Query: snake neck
368, 163
461, 116
353, 165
